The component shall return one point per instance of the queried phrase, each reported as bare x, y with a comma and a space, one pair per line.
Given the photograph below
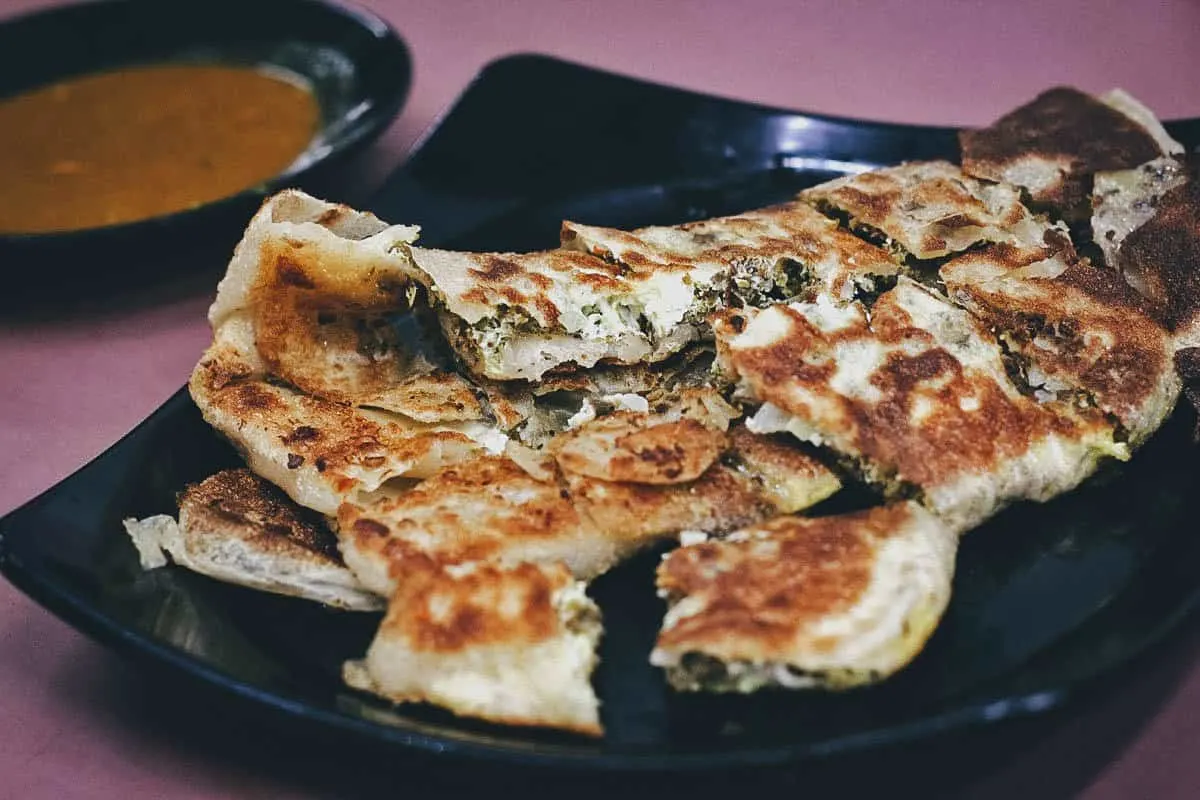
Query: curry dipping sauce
134, 143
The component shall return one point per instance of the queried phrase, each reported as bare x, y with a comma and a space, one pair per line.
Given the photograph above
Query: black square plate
1050, 600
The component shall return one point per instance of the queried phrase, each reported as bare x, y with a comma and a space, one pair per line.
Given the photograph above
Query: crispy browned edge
261, 513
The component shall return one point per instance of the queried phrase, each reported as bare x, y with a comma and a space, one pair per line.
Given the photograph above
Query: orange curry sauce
134, 143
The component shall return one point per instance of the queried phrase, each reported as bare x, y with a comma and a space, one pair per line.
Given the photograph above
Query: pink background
75, 721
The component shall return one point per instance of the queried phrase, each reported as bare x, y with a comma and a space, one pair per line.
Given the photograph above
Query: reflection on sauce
135, 143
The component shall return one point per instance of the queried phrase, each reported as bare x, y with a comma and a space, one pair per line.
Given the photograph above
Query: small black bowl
358, 67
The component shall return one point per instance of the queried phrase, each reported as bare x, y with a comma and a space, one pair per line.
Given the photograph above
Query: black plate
1050, 601
358, 67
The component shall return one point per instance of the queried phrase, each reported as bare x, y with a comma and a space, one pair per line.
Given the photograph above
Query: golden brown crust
435, 611
237, 528
944, 443
784, 475
1073, 133
493, 509
488, 508
787, 574
264, 516
792, 236
756, 478
892, 394
772, 454
510, 644
1162, 256
516, 281
310, 374
341, 444
930, 209
1079, 325
331, 440
719, 500
638, 448
506, 279
346, 349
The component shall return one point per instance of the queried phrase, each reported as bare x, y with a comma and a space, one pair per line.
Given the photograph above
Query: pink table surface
77, 722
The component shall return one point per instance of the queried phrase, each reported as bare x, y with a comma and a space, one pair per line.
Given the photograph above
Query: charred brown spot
440, 612
547, 309
1082, 325
467, 625
791, 357
661, 454
1059, 242
292, 274
539, 280
303, 433
1107, 286
260, 510
920, 430
1066, 128
1064, 122
220, 372
901, 374
600, 281
932, 243
496, 269
476, 295
370, 527
294, 461
787, 575
332, 216
539, 595
513, 296
956, 221
872, 207
253, 397
1161, 256
1187, 362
